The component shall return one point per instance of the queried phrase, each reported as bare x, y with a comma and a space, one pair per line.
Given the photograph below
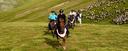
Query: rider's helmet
61, 10
72, 10
54, 12
79, 10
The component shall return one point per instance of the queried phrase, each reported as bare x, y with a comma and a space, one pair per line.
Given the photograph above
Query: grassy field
25, 29
36, 10
32, 36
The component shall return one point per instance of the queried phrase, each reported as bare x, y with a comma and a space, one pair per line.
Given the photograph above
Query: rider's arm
49, 17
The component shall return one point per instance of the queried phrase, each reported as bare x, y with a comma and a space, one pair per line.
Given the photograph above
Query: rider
52, 17
79, 16
73, 13
61, 15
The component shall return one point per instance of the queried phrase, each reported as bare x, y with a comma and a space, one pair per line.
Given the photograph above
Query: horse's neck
52, 23
62, 26
72, 17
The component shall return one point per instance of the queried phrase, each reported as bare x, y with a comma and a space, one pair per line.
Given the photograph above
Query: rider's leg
49, 27
80, 21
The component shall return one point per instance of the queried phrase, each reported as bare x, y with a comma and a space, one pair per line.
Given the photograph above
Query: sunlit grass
32, 36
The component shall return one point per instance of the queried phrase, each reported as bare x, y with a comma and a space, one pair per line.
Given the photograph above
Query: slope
32, 36
38, 10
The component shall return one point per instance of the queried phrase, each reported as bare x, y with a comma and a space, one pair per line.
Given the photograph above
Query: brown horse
61, 33
51, 27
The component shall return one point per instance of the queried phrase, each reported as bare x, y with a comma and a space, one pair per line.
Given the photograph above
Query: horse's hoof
64, 48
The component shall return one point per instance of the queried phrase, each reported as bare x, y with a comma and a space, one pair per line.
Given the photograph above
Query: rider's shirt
52, 16
63, 16
79, 15
73, 13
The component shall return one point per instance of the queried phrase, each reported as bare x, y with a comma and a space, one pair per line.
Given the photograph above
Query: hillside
24, 25
6, 5
33, 36
38, 10
107, 12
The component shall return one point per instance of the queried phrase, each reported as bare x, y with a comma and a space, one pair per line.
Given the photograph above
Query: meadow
33, 36
24, 28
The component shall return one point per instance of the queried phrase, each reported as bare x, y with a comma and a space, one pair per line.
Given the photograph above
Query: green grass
32, 36
35, 11
28, 32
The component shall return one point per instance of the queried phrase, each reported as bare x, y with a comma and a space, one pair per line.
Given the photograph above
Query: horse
61, 33
79, 18
52, 26
71, 21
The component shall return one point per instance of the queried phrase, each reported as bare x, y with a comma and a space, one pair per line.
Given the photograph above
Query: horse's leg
64, 43
72, 25
67, 33
49, 27
80, 21
52, 31
57, 37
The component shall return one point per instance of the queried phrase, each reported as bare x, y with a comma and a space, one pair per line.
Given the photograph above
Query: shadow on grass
49, 33
46, 31
54, 43
51, 42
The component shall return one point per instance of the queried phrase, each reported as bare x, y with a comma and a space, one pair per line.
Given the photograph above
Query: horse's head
52, 24
71, 17
62, 24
